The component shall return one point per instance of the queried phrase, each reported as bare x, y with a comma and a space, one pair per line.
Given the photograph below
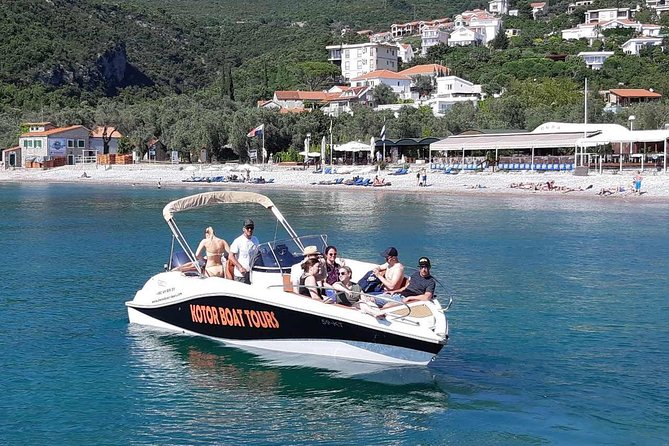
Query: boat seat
417, 311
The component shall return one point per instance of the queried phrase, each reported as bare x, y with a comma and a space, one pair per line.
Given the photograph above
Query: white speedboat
268, 315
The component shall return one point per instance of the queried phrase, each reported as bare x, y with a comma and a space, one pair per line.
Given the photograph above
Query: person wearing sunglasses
242, 251
332, 266
348, 292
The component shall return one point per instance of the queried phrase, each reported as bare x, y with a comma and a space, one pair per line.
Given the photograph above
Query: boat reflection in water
164, 352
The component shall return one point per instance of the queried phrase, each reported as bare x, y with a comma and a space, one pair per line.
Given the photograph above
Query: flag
383, 133
256, 131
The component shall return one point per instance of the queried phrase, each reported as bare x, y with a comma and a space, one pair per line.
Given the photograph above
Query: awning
510, 141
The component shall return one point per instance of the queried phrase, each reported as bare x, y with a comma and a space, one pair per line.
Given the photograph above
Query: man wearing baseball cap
242, 251
421, 284
390, 273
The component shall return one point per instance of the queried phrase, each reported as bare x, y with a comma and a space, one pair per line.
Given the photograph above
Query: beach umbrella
371, 148
310, 154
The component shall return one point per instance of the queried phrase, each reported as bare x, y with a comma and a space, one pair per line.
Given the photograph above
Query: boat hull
256, 325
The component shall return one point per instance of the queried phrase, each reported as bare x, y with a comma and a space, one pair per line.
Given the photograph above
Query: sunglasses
332, 254
343, 273
249, 228
423, 267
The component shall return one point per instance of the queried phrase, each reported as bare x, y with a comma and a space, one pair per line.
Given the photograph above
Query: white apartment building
498, 7
399, 83
572, 6
405, 52
358, 59
660, 6
607, 14
464, 36
634, 45
593, 31
482, 23
450, 91
595, 59
431, 36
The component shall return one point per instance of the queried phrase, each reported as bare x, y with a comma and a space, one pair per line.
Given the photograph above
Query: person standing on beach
242, 251
418, 178
424, 177
637, 182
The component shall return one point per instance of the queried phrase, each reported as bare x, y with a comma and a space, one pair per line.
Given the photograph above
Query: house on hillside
399, 83
593, 31
498, 7
451, 90
607, 14
624, 97
45, 145
298, 100
341, 99
659, 6
538, 8
572, 6
405, 52
636, 44
476, 27
358, 59
11, 157
96, 139
595, 59
431, 36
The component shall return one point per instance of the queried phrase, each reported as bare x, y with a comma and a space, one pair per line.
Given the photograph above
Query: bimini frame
214, 199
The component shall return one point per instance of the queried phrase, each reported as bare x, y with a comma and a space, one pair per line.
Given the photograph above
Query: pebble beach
607, 185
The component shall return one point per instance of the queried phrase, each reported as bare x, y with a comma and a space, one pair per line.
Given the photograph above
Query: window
70, 143
81, 143
25, 143
347, 65
38, 143
29, 143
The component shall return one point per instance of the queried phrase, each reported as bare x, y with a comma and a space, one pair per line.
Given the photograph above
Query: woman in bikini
214, 248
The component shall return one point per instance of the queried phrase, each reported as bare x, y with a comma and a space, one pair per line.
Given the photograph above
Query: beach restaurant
627, 145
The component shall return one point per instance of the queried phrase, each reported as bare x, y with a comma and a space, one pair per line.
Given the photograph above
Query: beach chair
448, 170
328, 170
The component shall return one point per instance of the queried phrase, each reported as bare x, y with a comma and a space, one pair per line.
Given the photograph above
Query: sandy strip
655, 185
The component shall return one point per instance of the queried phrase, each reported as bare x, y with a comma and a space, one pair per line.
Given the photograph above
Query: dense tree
383, 94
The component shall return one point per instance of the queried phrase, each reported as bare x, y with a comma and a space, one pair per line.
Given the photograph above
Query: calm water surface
559, 328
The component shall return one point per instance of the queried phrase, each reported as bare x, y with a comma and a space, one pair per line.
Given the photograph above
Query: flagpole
331, 147
263, 144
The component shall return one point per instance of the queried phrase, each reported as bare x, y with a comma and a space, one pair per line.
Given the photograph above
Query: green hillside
190, 71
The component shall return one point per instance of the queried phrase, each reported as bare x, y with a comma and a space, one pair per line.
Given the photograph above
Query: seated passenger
348, 292
216, 250
390, 273
309, 286
421, 286
331, 265
310, 252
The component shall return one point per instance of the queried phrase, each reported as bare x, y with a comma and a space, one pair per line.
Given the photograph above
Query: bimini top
212, 199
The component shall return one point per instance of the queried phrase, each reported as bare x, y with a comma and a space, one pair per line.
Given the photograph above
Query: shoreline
655, 185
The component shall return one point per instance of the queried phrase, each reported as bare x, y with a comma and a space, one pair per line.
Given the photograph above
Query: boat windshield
282, 254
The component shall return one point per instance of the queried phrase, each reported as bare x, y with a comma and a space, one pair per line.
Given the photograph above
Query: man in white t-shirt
242, 251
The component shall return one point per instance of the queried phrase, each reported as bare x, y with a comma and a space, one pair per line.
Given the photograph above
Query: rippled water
559, 330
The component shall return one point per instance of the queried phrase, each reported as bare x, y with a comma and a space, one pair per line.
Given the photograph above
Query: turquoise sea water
559, 326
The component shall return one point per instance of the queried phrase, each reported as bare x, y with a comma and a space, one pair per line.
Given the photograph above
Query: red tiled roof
634, 93
385, 74
425, 69
286, 95
97, 132
53, 131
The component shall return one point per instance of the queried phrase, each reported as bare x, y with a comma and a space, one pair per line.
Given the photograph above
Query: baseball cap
424, 261
390, 252
249, 223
